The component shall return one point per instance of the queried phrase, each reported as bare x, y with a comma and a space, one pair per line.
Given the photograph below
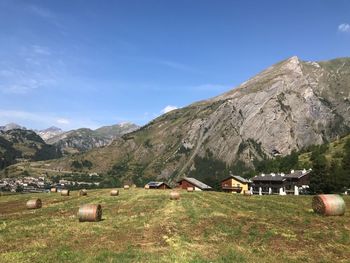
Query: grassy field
145, 226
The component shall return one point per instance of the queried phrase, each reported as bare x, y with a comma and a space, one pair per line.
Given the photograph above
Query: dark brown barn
158, 185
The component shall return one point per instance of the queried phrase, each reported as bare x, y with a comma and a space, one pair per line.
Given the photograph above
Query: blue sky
74, 64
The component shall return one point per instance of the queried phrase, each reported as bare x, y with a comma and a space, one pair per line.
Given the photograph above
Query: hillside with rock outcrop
289, 106
84, 139
18, 145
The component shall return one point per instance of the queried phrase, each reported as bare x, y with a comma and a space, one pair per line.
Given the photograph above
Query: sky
77, 63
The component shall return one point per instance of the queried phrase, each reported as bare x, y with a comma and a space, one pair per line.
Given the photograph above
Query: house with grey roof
235, 184
279, 183
197, 185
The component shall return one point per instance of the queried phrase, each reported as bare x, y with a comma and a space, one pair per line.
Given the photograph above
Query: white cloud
40, 11
41, 50
63, 121
344, 28
177, 66
168, 108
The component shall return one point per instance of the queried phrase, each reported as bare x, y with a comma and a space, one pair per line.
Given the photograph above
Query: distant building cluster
25, 184
40, 184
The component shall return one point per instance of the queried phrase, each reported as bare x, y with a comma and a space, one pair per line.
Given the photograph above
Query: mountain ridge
290, 105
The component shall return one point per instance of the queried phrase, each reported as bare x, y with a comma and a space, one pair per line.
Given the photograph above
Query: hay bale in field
53, 190
190, 189
134, 186
34, 203
146, 186
247, 193
328, 205
82, 192
126, 187
114, 192
65, 192
174, 195
90, 213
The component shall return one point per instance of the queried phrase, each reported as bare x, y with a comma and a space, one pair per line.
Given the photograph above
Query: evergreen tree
319, 176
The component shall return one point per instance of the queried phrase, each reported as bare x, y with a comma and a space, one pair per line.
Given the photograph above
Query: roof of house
238, 178
196, 183
281, 176
155, 184
269, 177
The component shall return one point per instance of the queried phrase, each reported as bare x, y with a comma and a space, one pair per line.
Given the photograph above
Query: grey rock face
84, 139
290, 105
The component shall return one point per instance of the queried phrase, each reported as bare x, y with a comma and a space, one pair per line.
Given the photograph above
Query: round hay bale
134, 186
126, 187
90, 213
65, 192
247, 193
82, 192
146, 186
114, 192
190, 189
174, 195
53, 190
328, 205
34, 203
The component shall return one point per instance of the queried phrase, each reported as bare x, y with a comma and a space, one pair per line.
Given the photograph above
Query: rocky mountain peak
11, 126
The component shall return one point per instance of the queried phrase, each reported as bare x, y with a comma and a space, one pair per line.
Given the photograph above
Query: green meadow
146, 226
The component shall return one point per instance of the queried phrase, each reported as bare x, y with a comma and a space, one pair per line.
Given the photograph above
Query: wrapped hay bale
190, 189
146, 186
90, 213
114, 192
34, 203
126, 187
174, 195
53, 190
82, 192
329, 205
65, 192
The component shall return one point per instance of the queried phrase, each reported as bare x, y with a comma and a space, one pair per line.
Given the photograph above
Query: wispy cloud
19, 81
168, 108
63, 121
31, 68
41, 50
177, 66
41, 11
344, 28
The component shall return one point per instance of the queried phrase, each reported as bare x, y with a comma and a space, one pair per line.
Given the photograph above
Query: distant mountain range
18, 143
48, 133
84, 139
11, 126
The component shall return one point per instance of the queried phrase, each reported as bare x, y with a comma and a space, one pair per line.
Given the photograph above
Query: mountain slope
84, 139
24, 145
49, 133
289, 106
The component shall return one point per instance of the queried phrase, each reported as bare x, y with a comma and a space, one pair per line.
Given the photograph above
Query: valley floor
145, 226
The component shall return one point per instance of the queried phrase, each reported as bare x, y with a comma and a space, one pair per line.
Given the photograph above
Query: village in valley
295, 183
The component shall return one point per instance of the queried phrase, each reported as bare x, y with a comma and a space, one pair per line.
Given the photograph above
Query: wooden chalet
282, 184
235, 184
157, 185
197, 185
